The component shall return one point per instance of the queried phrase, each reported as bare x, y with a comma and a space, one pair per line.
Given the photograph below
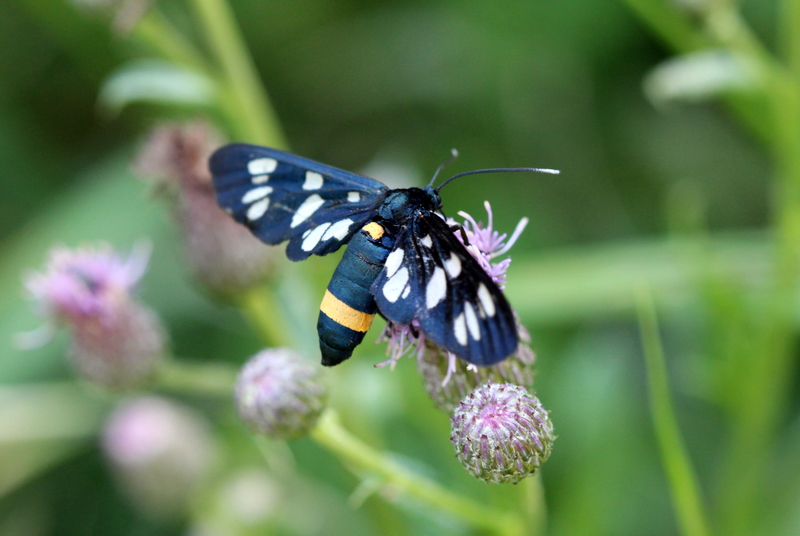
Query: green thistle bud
279, 394
448, 380
501, 433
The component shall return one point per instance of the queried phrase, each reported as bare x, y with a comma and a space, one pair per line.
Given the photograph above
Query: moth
402, 259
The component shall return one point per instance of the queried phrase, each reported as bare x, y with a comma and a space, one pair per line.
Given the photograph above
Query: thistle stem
677, 465
254, 116
330, 433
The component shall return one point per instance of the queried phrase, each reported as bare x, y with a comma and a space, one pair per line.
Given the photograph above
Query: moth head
399, 205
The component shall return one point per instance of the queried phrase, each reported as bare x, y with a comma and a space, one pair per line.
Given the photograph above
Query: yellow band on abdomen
344, 315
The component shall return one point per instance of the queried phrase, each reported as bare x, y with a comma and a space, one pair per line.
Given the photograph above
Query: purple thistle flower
485, 244
439, 365
89, 282
501, 433
116, 340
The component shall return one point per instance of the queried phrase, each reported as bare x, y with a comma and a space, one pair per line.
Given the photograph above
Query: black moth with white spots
420, 270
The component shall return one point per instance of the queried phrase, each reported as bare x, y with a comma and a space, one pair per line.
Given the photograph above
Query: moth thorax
400, 204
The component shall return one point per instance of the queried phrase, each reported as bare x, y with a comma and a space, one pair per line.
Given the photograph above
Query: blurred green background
676, 195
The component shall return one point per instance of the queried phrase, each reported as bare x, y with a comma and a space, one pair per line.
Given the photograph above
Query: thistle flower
501, 433
439, 366
116, 340
161, 453
449, 380
279, 394
225, 257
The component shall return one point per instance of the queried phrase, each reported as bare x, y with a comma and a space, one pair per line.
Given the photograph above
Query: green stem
207, 379
766, 384
789, 35
157, 33
264, 312
254, 118
332, 435
677, 465
534, 507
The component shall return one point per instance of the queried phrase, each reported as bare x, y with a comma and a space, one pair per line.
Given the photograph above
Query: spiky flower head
224, 255
440, 367
161, 453
116, 340
449, 380
279, 394
501, 433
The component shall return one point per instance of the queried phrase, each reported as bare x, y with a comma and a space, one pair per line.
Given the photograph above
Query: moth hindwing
402, 258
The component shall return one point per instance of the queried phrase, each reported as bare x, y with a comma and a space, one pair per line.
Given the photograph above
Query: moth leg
457, 227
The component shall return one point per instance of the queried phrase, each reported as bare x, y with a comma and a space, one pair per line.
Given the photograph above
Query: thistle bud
224, 256
449, 380
116, 340
279, 394
161, 453
501, 433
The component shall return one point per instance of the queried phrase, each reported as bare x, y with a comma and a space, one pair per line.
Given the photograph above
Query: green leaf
700, 76
157, 82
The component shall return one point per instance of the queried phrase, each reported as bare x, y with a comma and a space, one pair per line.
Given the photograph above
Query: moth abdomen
348, 308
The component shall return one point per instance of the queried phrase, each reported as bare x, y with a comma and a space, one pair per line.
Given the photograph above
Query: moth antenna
499, 170
453, 156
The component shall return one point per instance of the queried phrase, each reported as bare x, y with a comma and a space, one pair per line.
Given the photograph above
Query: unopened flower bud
224, 255
449, 380
501, 433
116, 340
161, 453
279, 394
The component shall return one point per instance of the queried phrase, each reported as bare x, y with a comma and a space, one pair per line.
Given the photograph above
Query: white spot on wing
260, 166
395, 285
406, 292
460, 329
338, 230
313, 181
311, 239
436, 289
257, 209
260, 179
486, 300
472, 321
305, 210
427, 241
255, 194
393, 262
353, 197
453, 266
